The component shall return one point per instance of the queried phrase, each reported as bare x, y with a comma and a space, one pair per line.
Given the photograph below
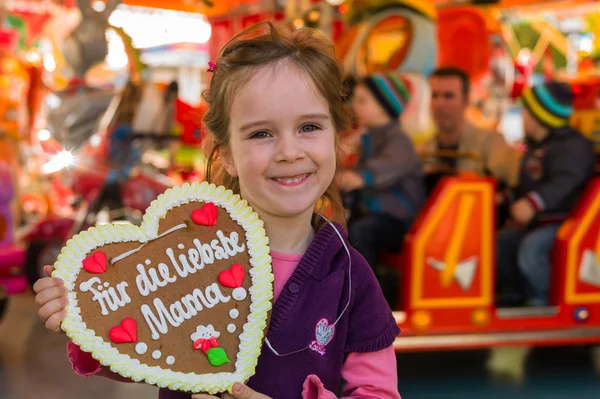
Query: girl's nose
289, 148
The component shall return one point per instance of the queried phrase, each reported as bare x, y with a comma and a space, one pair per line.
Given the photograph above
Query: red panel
250, 20
464, 40
224, 28
585, 94
588, 243
222, 31
459, 323
437, 247
338, 28
561, 248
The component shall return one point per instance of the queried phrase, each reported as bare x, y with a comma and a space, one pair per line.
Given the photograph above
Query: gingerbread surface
169, 303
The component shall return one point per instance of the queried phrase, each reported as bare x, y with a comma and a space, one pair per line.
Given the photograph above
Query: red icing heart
232, 278
205, 216
126, 332
95, 263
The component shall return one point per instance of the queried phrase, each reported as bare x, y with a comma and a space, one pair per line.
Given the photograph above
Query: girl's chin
294, 212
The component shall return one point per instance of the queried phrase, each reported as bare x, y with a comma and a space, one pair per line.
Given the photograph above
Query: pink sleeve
85, 365
367, 375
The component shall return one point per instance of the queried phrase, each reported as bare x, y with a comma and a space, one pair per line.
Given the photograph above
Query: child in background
389, 174
555, 169
275, 111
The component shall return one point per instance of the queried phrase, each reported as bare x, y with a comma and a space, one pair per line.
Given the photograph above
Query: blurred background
101, 111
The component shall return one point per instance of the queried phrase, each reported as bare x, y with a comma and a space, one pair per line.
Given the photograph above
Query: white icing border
69, 263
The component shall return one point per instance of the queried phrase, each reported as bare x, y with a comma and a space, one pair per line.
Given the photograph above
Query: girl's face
282, 142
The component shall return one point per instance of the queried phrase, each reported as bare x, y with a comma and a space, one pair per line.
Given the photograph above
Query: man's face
448, 102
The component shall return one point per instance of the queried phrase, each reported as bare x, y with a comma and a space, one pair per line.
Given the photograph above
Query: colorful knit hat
391, 91
550, 103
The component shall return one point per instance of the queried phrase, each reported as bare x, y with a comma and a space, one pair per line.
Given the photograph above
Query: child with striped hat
389, 174
554, 170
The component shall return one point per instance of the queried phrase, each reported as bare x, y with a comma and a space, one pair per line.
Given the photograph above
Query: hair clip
211, 66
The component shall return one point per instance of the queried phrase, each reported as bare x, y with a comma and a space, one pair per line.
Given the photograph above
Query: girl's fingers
53, 323
47, 282
52, 307
48, 269
50, 294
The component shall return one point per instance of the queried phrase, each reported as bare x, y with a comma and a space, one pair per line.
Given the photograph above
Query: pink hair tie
211, 66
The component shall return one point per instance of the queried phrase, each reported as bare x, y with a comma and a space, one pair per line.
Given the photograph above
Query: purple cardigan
317, 290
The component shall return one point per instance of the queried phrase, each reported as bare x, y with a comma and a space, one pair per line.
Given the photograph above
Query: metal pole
326, 19
292, 9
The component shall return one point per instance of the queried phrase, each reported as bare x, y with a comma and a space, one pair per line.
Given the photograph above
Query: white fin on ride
464, 273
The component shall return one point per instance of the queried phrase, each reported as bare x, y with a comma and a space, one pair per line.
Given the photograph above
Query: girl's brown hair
241, 58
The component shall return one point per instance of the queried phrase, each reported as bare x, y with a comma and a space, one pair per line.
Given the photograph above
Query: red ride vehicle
446, 298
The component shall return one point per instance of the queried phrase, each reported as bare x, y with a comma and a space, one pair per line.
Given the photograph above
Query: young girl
275, 109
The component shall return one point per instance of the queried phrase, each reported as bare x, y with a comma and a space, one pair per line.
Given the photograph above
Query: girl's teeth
291, 180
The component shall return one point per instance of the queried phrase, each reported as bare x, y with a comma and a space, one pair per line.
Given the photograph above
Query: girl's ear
227, 161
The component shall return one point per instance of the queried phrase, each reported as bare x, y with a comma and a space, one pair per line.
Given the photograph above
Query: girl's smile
292, 181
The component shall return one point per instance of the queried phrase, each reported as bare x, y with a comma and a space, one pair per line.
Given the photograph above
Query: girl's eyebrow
262, 123
315, 116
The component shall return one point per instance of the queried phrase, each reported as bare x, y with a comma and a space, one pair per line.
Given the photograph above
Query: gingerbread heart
137, 293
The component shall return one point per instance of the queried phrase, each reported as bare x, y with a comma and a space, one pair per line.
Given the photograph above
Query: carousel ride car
446, 294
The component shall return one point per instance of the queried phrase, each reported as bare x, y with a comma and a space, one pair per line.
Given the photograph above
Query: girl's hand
240, 391
52, 300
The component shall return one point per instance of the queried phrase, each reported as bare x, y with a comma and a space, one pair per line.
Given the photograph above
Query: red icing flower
205, 344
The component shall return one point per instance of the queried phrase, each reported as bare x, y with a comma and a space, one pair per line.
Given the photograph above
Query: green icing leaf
217, 356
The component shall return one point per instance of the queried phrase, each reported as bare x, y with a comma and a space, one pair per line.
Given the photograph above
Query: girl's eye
260, 135
309, 128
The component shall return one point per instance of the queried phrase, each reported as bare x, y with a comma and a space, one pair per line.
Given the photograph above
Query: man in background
460, 146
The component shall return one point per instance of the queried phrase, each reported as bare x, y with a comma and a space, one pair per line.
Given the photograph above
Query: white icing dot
239, 294
100, 288
181, 246
231, 328
141, 348
156, 354
147, 261
106, 285
234, 313
170, 360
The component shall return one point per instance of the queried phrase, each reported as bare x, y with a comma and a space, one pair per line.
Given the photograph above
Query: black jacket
554, 172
